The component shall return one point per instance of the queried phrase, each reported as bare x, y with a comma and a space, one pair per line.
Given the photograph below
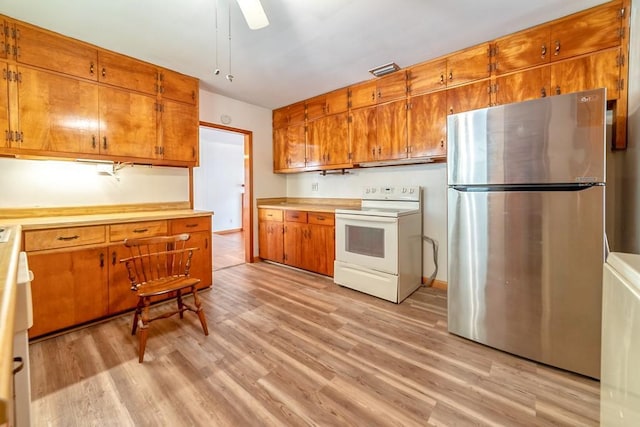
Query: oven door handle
367, 218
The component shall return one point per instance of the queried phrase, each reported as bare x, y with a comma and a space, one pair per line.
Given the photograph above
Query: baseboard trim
233, 230
437, 284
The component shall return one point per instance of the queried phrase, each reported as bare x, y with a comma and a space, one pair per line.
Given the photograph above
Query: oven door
368, 241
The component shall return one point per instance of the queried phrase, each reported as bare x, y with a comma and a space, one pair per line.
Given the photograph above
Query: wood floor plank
289, 348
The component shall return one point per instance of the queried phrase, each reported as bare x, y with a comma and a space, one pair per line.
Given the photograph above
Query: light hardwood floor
291, 348
228, 249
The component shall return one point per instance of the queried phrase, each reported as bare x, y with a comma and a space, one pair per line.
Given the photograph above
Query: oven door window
368, 241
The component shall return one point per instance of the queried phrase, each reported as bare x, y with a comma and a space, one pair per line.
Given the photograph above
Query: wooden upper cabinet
337, 101
5, 126
427, 125
280, 118
469, 97
363, 94
592, 30
468, 65
588, 72
363, 134
297, 113
316, 107
328, 141
523, 85
392, 130
127, 123
53, 52
129, 73
57, 113
5, 46
522, 50
179, 132
391, 87
178, 87
427, 77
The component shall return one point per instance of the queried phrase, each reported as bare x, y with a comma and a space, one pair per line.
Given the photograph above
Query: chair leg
144, 329
180, 305
136, 315
199, 310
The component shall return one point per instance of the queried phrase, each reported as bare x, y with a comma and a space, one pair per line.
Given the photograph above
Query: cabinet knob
450, 75
104, 142
557, 49
543, 51
91, 68
543, 93
104, 72
441, 79
442, 143
557, 90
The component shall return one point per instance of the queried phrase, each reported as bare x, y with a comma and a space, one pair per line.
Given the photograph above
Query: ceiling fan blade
253, 13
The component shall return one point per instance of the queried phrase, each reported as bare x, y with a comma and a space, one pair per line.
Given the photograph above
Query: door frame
247, 197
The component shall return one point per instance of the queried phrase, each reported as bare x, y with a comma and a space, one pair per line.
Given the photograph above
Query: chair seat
166, 285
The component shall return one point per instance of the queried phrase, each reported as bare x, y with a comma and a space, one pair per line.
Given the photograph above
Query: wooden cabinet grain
524, 49
289, 148
178, 87
271, 234
328, 141
379, 133
469, 97
179, 132
427, 125
199, 228
523, 85
5, 125
601, 69
124, 72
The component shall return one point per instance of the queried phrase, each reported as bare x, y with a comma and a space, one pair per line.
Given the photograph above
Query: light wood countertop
308, 204
9, 252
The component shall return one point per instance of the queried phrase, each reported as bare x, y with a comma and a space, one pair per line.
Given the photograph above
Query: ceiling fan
253, 13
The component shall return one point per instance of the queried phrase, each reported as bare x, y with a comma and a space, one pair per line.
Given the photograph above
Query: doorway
223, 184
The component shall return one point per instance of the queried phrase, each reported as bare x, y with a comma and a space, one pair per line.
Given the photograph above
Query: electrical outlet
314, 186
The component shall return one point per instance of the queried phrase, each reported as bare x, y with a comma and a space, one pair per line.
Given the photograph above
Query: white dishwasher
620, 366
23, 321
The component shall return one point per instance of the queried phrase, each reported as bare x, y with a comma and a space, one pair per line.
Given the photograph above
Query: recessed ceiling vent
384, 69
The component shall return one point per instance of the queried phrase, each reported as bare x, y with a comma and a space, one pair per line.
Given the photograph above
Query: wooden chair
157, 267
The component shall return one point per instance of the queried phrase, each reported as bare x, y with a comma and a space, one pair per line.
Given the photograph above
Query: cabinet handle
101, 260
441, 79
320, 218
442, 143
543, 93
557, 90
91, 68
140, 230
379, 150
104, 142
373, 152
66, 239
450, 110
7, 135
113, 258
206, 243
191, 225
543, 52
93, 141
450, 75
104, 72
557, 50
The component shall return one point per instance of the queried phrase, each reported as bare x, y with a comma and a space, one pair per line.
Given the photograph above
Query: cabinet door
363, 134
179, 134
5, 39
178, 87
336, 141
296, 146
363, 94
280, 118
337, 101
391, 87
202, 261
521, 50
595, 29
280, 149
69, 288
392, 130
121, 297
297, 113
129, 73
468, 97
270, 240
427, 77
523, 86
587, 72
316, 139
427, 125
469, 65
294, 232
57, 113
316, 107
5, 127
54, 52
319, 249
127, 123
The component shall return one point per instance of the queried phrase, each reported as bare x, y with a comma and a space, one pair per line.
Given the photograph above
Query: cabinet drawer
63, 238
321, 218
135, 230
270, 214
295, 216
190, 225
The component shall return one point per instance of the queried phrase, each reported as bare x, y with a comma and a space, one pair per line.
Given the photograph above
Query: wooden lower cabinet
77, 284
300, 239
69, 288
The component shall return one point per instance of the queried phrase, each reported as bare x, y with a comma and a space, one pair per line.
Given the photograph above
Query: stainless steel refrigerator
526, 241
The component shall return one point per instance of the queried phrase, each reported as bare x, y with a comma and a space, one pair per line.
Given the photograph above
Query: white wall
38, 183
257, 120
431, 177
217, 183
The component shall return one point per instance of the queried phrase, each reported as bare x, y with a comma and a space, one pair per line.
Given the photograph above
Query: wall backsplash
49, 183
431, 177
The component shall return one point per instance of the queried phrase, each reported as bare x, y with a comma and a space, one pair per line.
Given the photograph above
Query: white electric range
379, 245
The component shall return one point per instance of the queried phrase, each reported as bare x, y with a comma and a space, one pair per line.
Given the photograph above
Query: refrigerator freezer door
559, 139
525, 273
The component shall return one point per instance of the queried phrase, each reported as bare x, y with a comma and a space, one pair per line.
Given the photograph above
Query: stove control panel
407, 193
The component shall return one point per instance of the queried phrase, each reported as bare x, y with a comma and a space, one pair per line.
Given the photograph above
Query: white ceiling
309, 48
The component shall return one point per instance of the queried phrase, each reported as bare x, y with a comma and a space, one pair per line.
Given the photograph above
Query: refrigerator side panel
554, 140
525, 273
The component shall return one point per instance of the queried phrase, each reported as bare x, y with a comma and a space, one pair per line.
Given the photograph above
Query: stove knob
411, 190
367, 190
404, 190
373, 190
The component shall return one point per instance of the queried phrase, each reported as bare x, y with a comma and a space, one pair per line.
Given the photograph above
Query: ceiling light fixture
253, 13
384, 69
